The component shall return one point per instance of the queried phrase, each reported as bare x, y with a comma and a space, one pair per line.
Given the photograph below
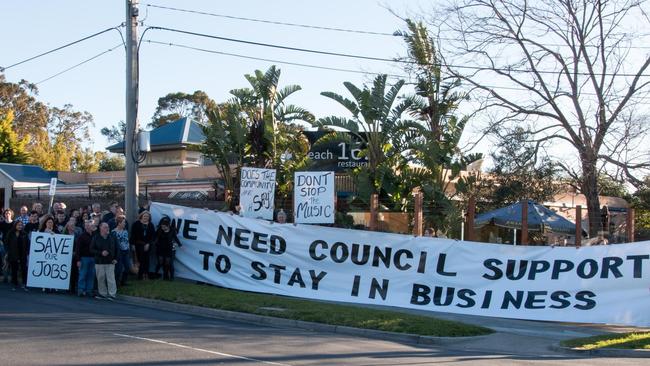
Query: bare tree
568, 70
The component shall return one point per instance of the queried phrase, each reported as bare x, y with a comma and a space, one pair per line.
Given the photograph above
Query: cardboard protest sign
257, 193
50, 260
313, 197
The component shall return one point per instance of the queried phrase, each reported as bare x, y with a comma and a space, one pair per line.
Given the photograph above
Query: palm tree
274, 139
226, 143
377, 126
271, 118
433, 105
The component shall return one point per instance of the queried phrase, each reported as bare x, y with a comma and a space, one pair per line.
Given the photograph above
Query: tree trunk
589, 188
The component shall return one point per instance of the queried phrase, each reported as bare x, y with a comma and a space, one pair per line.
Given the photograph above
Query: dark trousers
74, 277
17, 266
143, 258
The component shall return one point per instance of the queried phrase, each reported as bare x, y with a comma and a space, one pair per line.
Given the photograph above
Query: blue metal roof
26, 173
178, 133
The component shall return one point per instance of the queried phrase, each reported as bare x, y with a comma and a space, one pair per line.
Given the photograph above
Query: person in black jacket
165, 241
17, 247
104, 248
142, 237
85, 260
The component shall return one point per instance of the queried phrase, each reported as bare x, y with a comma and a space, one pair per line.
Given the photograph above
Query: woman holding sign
17, 246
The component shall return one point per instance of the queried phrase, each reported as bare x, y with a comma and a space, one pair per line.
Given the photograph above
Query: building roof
177, 134
20, 173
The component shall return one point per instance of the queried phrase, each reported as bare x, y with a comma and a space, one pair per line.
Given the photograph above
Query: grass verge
297, 309
614, 340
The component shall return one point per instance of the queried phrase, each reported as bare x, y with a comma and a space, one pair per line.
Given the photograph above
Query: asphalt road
57, 329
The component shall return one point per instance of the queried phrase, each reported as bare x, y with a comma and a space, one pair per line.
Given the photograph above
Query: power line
271, 21
79, 64
2, 69
395, 34
275, 45
171, 44
371, 58
271, 60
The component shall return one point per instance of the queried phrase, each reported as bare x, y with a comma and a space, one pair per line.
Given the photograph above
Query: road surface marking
200, 349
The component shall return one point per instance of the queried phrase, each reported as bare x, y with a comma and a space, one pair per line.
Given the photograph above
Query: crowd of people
107, 249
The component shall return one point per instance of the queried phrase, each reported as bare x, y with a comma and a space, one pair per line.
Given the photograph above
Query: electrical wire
271, 60
271, 21
177, 45
79, 64
2, 69
274, 22
371, 58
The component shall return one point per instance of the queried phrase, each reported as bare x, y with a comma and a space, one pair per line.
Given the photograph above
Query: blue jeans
123, 265
86, 282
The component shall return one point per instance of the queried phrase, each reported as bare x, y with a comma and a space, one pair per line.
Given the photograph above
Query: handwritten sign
50, 260
313, 195
257, 193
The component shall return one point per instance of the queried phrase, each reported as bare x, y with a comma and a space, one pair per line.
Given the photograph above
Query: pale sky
31, 27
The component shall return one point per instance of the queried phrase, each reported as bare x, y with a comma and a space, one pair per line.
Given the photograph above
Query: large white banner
601, 284
257, 193
313, 197
50, 260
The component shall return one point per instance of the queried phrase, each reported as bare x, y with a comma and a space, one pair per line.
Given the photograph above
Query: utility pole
131, 187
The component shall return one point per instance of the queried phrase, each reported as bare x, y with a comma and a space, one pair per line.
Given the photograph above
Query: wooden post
524, 222
418, 216
629, 225
578, 225
374, 212
469, 225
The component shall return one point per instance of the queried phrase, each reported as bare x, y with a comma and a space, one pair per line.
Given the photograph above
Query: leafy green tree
174, 106
607, 186
30, 117
12, 148
68, 130
111, 163
115, 133
519, 173
377, 124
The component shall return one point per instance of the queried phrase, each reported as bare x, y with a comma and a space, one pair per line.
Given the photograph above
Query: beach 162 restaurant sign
334, 155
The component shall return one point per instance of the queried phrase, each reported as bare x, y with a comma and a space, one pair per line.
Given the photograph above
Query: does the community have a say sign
601, 284
50, 260
257, 193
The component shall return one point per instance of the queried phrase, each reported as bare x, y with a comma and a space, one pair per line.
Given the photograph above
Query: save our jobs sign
313, 197
50, 260
257, 193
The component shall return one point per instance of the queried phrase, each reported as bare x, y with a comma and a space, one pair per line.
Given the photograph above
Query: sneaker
111, 298
99, 297
25, 289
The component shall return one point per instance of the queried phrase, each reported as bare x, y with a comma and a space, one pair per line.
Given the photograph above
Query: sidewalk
512, 336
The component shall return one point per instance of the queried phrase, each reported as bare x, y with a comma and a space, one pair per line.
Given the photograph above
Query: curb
290, 323
602, 352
